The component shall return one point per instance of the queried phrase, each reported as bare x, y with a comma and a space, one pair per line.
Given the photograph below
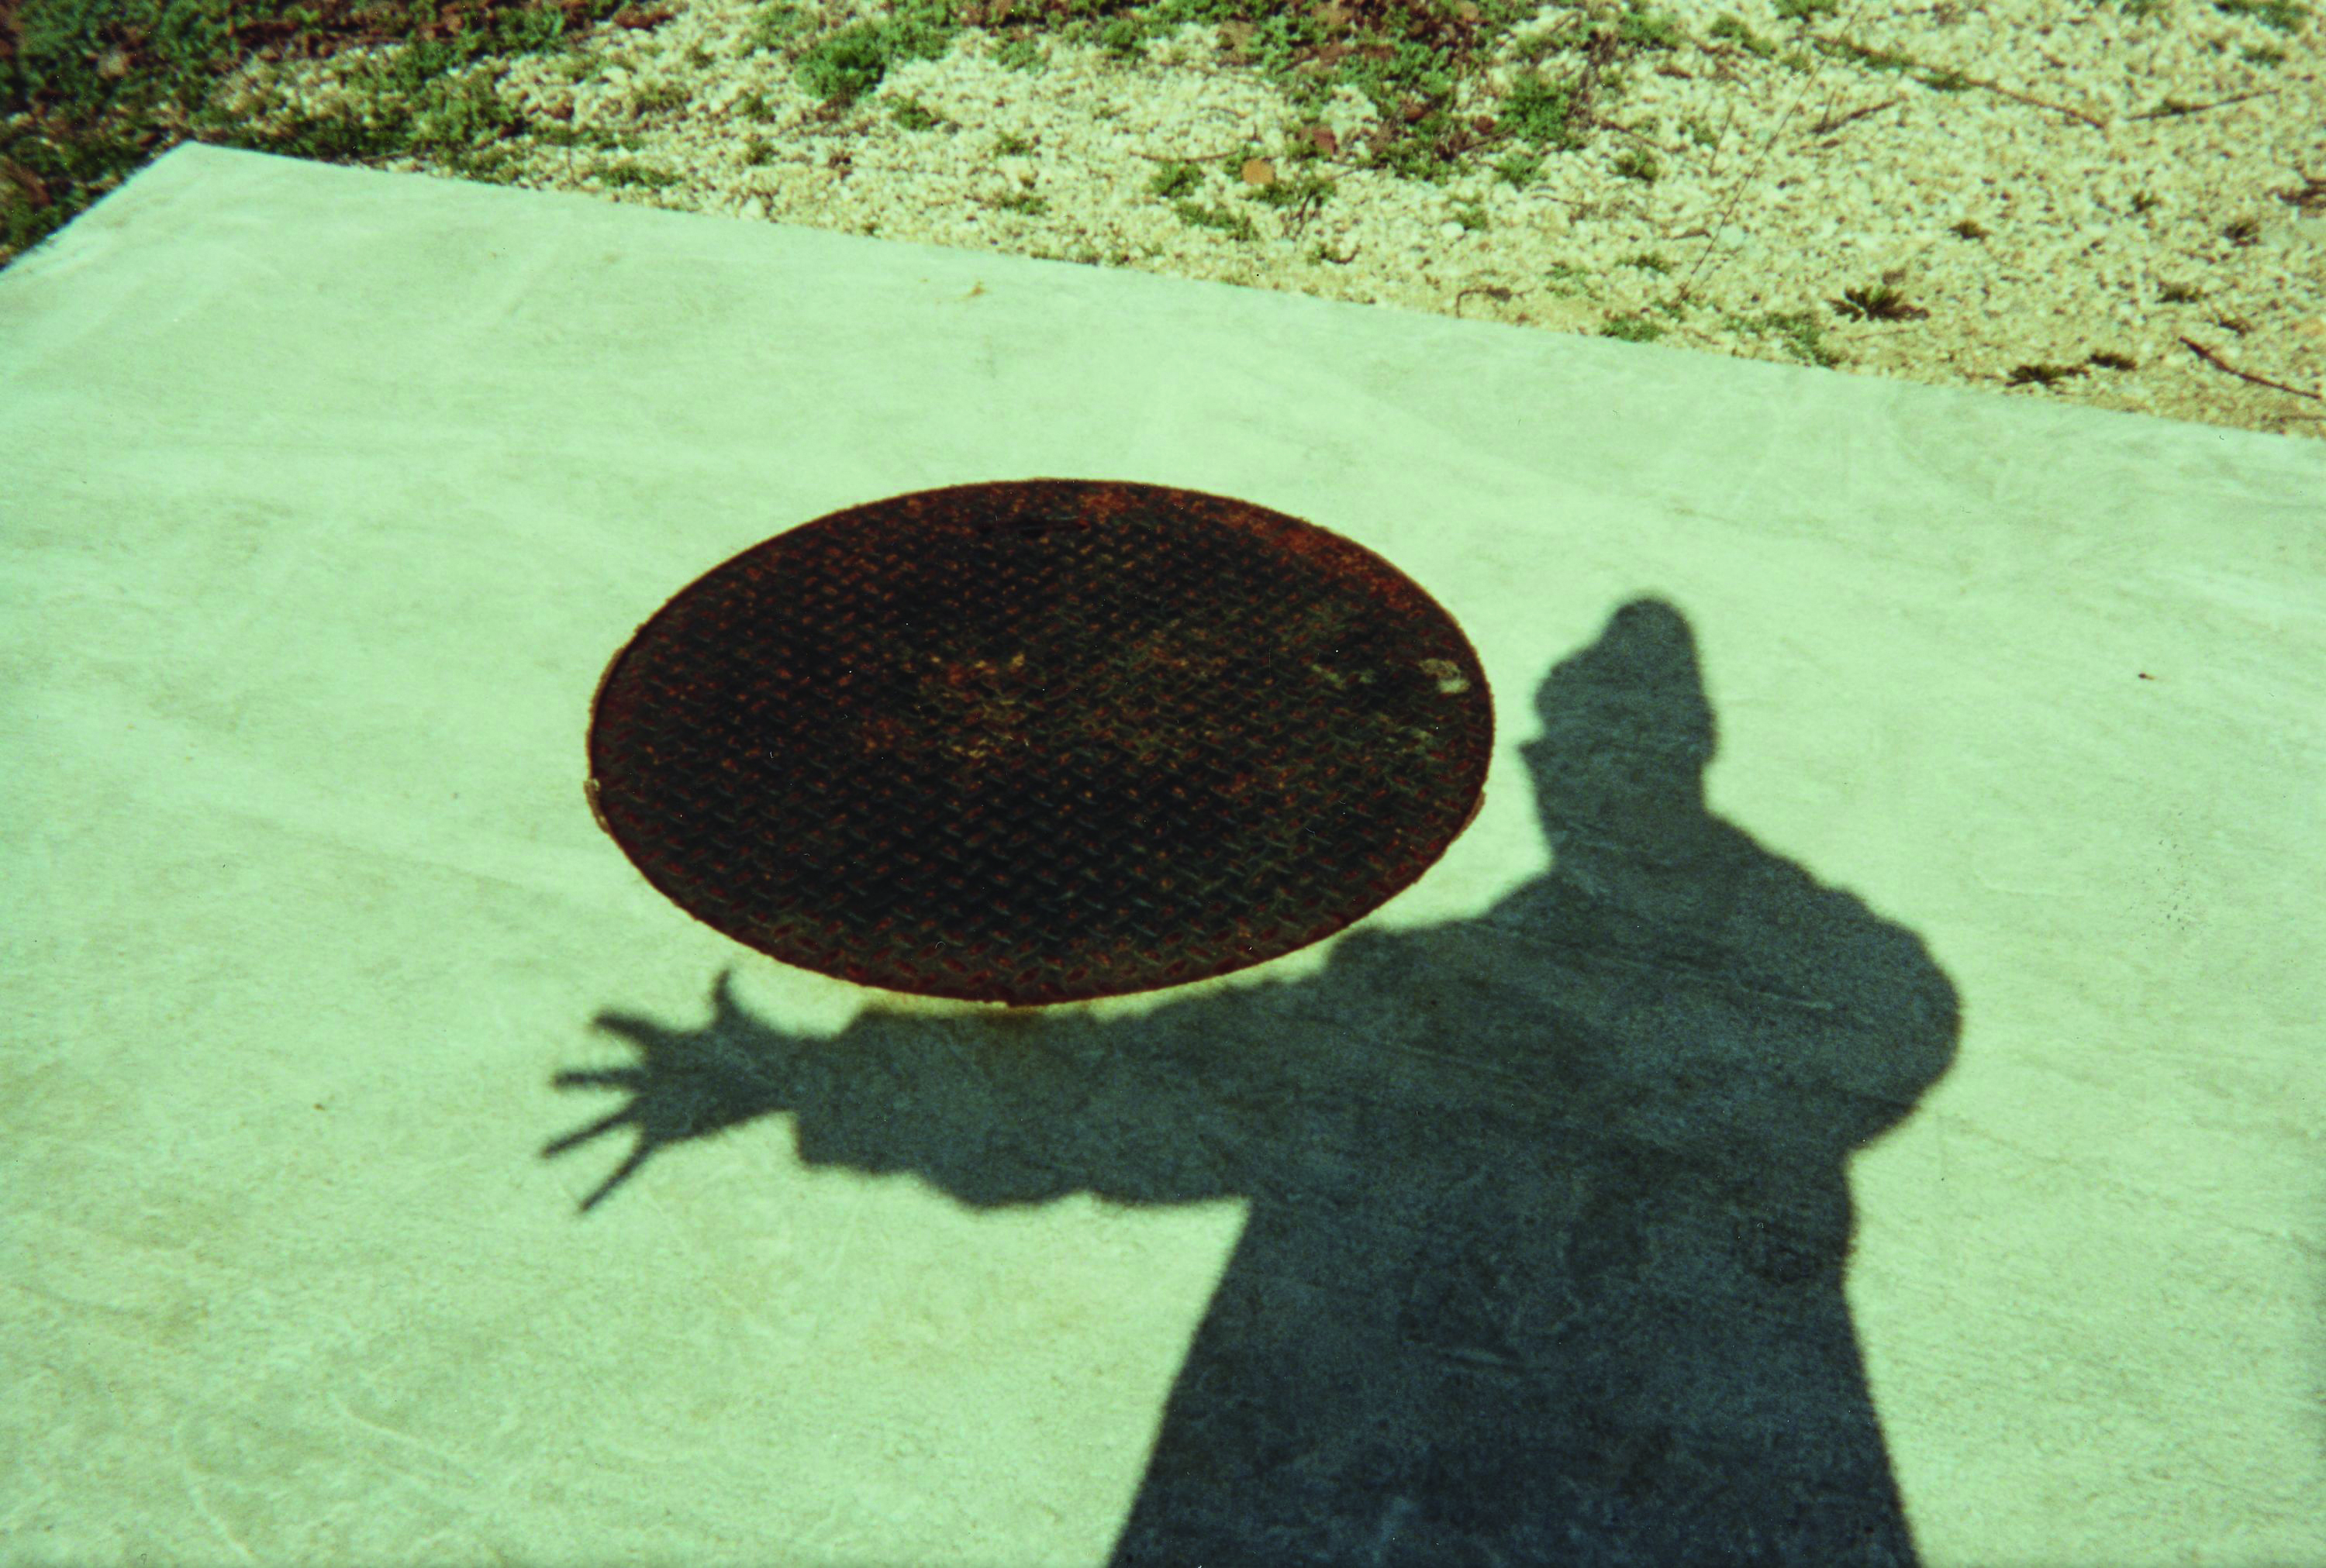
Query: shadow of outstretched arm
994, 1110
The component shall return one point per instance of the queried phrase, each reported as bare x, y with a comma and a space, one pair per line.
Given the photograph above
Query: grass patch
99, 88
96, 88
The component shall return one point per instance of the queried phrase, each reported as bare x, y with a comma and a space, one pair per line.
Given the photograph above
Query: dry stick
1653, 145
1830, 124
1186, 157
2023, 98
2212, 358
1688, 282
2173, 107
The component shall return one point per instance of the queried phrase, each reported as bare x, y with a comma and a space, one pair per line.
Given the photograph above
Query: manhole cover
1040, 742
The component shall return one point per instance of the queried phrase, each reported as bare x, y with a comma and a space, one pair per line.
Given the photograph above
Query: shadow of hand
689, 1084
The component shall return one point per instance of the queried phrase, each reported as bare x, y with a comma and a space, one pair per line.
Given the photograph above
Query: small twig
1688, 282
1185, 157
1845, 46
1492, 291
2027, 98
1636, 135
2311, 194
2212, 358
2172, 107
1824, 126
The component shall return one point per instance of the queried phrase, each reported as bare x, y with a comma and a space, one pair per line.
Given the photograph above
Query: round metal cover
1042, 741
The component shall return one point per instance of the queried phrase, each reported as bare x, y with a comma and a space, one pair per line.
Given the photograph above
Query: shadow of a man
1548, 1209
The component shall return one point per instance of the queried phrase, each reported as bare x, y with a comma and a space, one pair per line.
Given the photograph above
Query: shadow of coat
1548, 1209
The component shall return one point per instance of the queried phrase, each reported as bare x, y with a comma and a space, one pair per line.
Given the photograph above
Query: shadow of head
1627, 731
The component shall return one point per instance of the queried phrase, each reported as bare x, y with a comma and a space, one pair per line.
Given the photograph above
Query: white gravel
2090, 229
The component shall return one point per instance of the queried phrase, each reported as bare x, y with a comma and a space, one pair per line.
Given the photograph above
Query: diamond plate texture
1042, 741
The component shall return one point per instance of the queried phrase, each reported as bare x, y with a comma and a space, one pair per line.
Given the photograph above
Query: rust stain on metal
1041, 741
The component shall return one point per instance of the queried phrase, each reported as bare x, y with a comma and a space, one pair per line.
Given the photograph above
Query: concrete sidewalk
1970, 1207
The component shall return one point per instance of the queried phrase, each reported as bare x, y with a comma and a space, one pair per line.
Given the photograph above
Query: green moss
1233, 224
628, 171
1175, 180
914, 116
851, 63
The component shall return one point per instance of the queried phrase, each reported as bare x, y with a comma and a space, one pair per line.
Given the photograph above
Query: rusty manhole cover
1042, 741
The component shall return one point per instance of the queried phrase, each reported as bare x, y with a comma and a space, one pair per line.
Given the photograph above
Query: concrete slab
1894, 1140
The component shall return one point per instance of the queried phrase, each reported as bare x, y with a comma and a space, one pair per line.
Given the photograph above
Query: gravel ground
2057, 201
